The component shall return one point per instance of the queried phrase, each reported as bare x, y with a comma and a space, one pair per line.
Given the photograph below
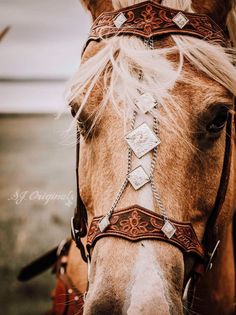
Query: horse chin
141, 278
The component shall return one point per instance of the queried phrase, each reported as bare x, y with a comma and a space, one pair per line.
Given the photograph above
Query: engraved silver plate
180, 20
142, 140
138, 178
168, 229
104, 223
119, 20
146, 102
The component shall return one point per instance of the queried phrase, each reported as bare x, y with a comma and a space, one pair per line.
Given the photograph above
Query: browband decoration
137, 223
149, 19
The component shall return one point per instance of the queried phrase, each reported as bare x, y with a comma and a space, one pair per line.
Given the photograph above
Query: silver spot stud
180, 20
138, 178
168, 229
119, 20
104, 223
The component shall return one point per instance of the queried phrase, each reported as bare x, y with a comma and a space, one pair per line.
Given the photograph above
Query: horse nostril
103, 308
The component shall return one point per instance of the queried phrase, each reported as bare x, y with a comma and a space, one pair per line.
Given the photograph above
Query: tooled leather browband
136, 223
148, 19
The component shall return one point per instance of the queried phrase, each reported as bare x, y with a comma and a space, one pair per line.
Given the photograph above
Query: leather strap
44, 262
80, 220
211, 235
150, 19
137, 223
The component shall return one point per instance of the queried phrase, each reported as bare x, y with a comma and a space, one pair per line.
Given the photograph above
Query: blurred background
38, 55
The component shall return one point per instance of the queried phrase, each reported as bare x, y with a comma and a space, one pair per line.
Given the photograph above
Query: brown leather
137, 223
150, 19
211, 235
80, 220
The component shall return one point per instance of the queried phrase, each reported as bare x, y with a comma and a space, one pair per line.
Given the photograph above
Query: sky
44, 43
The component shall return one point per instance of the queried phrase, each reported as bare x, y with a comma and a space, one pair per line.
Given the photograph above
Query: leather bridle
136, 223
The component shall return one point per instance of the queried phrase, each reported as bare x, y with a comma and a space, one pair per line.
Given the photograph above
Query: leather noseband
137, 223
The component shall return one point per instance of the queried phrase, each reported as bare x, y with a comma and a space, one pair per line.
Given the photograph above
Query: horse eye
218, 123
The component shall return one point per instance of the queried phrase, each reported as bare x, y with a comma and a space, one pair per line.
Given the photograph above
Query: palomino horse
163, 107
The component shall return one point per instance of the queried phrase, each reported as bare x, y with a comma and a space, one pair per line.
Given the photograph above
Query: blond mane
122, 58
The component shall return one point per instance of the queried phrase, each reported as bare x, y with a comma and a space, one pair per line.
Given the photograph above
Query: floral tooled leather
136, 223
148, 19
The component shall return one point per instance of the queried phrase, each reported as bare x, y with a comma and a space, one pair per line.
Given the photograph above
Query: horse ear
96, 7
217, 9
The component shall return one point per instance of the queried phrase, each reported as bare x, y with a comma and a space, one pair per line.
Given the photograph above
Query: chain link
126, 181
148, 43
155, 191
156, 194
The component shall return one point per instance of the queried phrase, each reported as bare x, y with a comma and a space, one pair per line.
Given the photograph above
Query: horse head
189, 85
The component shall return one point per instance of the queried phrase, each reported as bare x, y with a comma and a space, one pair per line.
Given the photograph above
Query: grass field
35, 161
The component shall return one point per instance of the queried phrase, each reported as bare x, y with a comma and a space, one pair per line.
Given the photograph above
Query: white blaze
146, 291
144, 194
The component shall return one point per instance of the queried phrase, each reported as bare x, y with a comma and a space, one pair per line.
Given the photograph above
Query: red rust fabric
66, 300
149, 19
137, 223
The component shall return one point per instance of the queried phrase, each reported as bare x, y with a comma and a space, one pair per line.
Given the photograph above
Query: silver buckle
211, 257
74, 232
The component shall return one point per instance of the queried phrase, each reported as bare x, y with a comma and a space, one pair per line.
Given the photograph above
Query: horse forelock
118, 61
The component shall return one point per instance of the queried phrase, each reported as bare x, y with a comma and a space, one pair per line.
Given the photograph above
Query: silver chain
148, 43
126, 181
155, 191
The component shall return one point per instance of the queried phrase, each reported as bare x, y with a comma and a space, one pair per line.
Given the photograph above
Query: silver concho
119, 20
104, 223
168, 229
146, 102
142, 140
180, 20
138, 177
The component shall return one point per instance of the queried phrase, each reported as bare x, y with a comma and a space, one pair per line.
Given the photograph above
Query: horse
176, 90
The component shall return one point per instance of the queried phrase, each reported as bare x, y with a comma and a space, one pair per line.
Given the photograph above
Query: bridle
151, 20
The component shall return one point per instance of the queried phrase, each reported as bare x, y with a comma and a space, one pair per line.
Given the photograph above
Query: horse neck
216, 290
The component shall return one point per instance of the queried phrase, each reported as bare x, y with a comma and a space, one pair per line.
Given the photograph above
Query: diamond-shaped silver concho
146, 102
180, 20
138, 177
168, 229
142, 140
119, 20
104, 223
